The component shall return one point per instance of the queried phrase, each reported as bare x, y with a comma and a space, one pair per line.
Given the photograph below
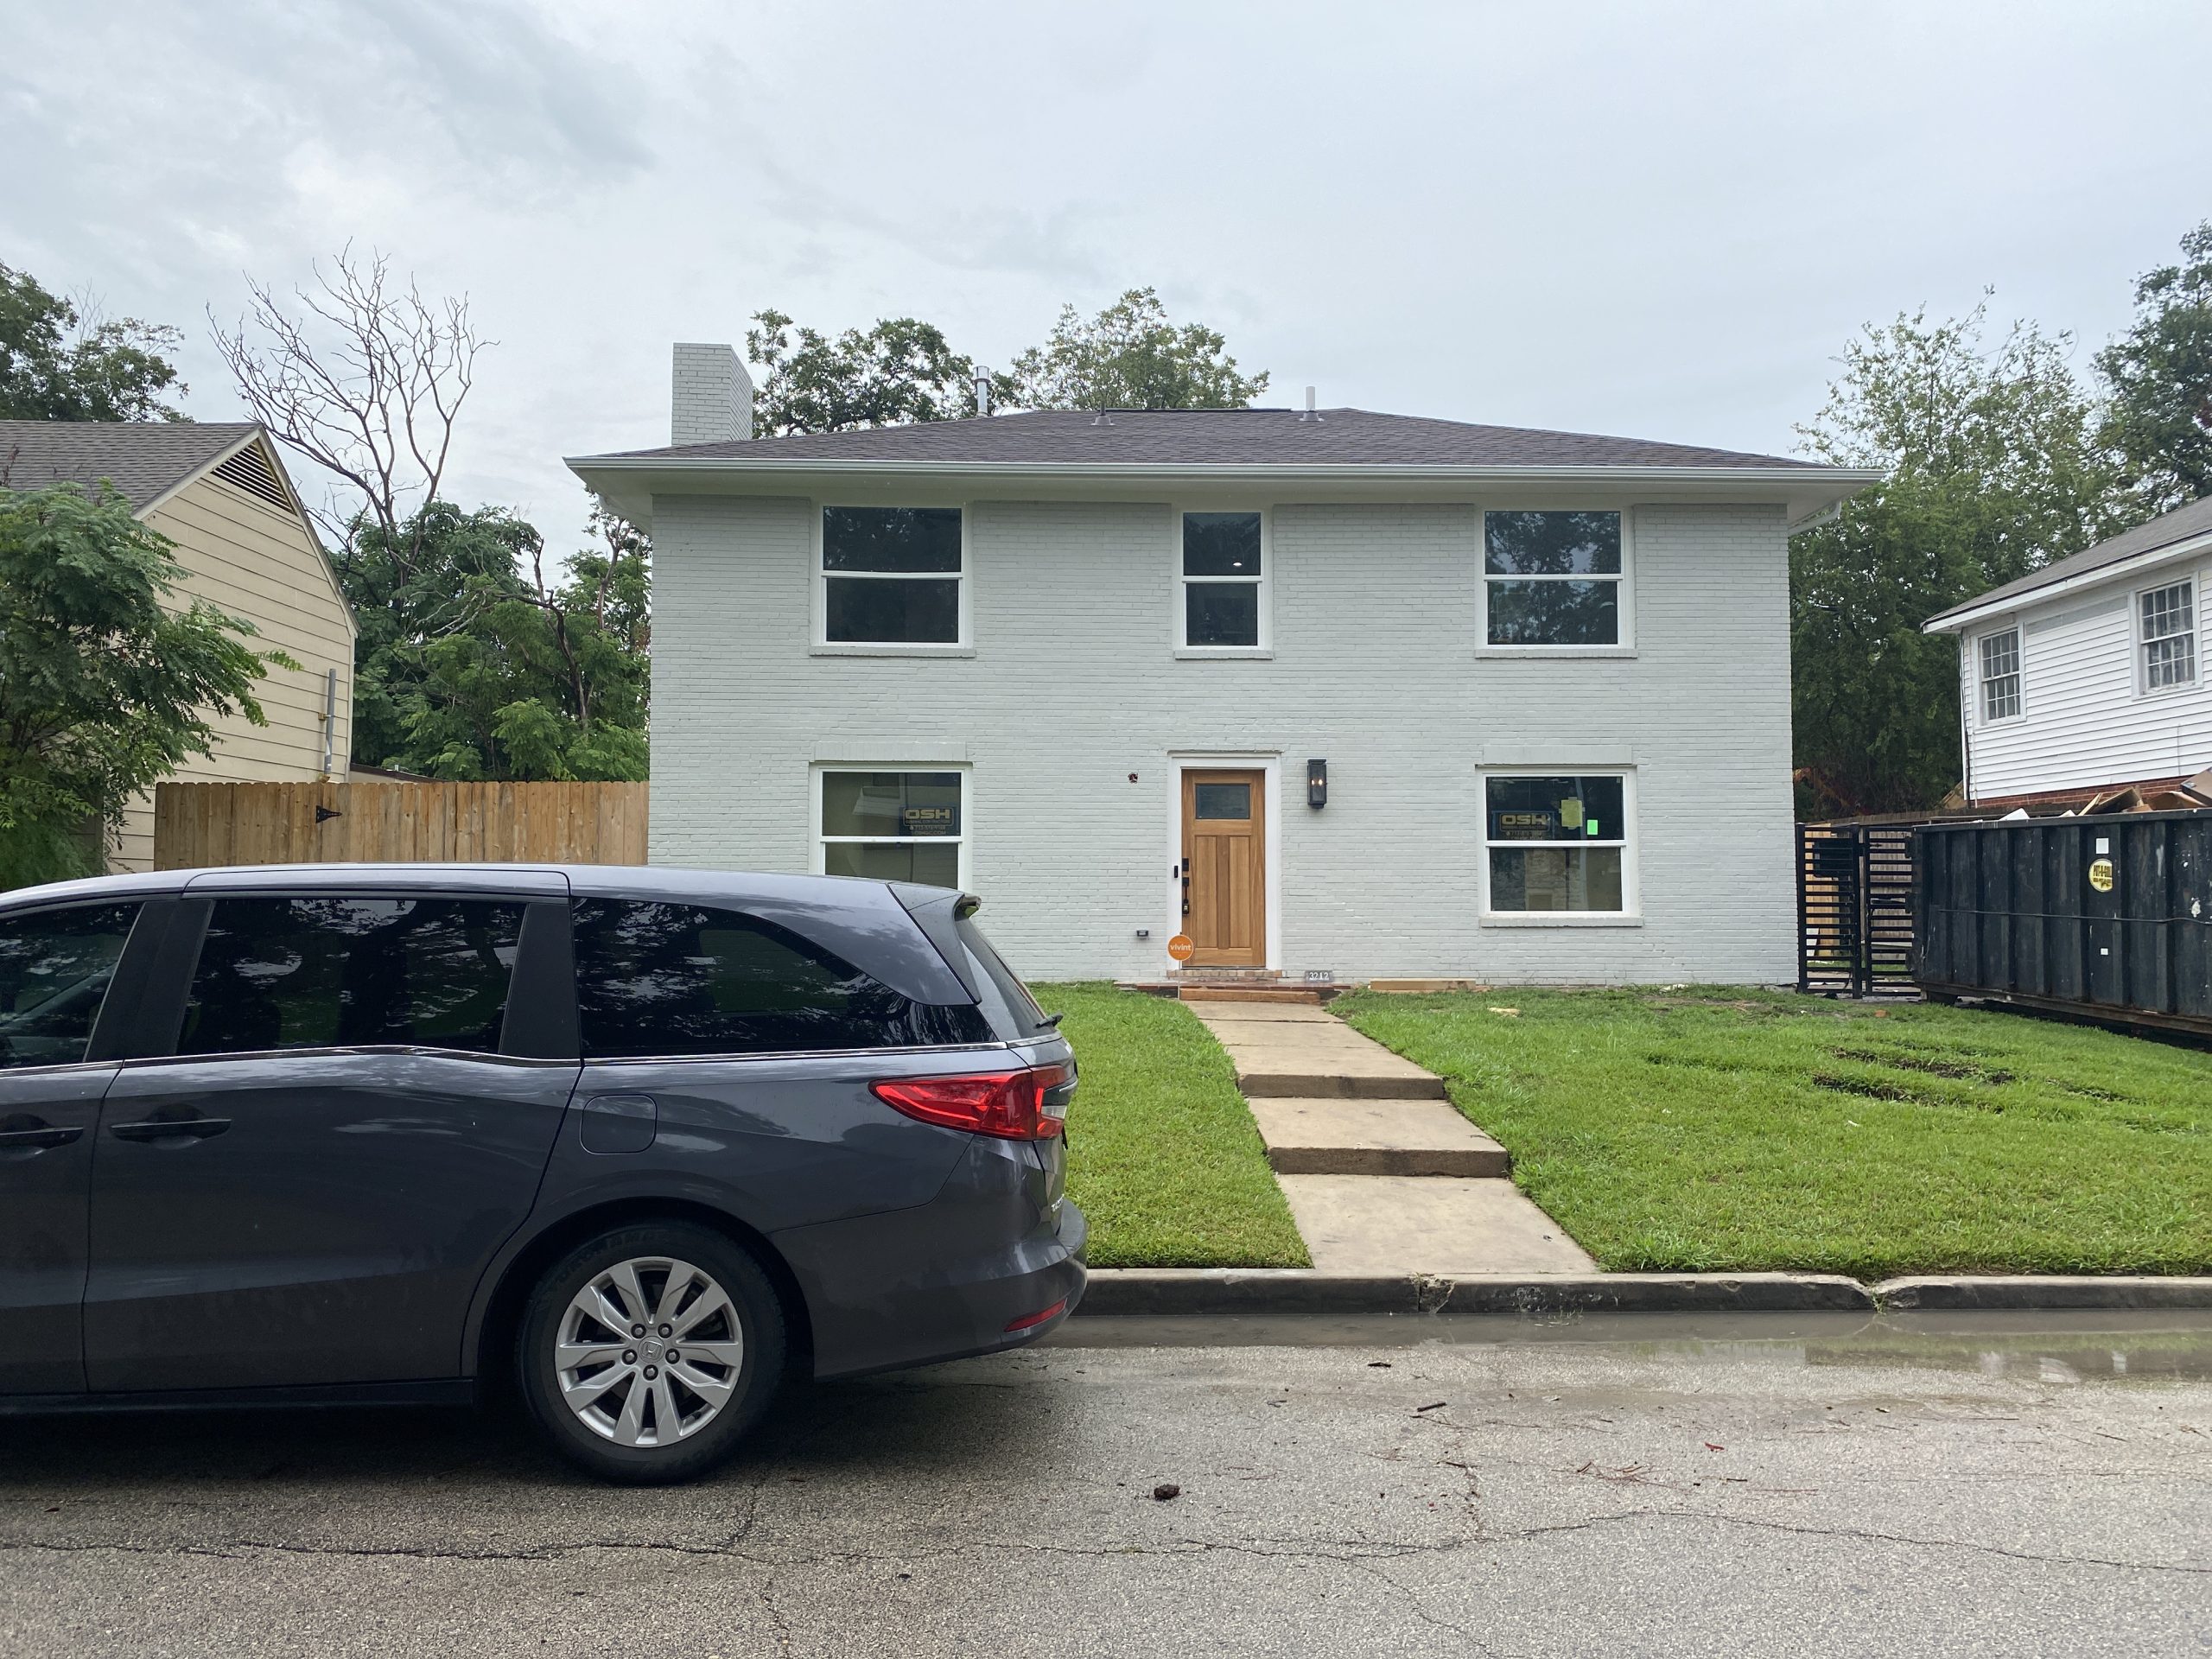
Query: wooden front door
1225, 869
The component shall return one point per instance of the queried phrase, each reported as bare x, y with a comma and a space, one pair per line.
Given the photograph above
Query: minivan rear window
657, 979
54, 969
352, 972
1021, 1008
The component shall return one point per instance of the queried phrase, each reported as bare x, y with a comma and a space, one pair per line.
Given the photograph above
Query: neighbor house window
1556, 844
2000, 675
893, 826
2168, 636
1221, 581
1553, 578
891, 575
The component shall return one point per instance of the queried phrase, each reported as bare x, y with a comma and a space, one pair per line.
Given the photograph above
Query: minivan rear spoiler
935, 910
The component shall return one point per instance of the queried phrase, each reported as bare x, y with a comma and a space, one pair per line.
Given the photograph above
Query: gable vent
250, 470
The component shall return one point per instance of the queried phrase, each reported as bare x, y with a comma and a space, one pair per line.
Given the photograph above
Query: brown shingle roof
2180, 526
1233, 437
142, 459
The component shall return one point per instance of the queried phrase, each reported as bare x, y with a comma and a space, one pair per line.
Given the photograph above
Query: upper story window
1223, 581
1553, 578
891, 575
2000, 675
2169, 646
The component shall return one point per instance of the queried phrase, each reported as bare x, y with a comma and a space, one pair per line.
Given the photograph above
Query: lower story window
893, 826
1556, 844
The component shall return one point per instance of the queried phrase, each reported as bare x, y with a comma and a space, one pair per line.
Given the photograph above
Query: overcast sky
1661, 221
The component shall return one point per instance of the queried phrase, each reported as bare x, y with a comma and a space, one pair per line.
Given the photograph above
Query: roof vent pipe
1311, 413
982, 390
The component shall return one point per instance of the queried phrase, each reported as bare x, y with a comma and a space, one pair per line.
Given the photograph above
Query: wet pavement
1642, 1484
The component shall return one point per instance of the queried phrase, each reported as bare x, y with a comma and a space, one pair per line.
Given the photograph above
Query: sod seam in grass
1163, 1156
1716, 1128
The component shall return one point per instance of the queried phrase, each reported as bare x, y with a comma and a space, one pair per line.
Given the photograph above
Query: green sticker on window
1589, 826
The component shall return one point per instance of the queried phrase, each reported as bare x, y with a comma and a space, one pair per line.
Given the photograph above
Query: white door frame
1269, 763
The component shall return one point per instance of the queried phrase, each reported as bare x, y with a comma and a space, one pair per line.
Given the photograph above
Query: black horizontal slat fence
2108, 917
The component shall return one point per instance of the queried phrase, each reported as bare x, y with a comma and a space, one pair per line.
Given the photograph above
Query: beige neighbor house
218, 492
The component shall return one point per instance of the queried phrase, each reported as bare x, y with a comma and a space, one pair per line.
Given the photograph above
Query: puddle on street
2054, 1348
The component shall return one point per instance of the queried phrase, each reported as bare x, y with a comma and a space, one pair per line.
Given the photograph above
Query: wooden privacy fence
197, 825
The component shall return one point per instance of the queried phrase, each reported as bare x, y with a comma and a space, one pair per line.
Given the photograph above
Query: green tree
469, 668
1130, 356
2159, 420
901, 371
1995, 469
104, 687
61, 361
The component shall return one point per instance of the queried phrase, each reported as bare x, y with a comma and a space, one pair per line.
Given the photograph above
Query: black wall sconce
1317, 783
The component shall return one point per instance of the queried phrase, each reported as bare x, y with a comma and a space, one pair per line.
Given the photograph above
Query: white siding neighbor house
218, 492
2091, 673
1322, 692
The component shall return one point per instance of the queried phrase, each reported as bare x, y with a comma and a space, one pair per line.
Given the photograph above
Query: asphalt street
1803, 1487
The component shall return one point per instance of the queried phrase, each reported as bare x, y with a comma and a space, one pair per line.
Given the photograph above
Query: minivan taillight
1011, 1105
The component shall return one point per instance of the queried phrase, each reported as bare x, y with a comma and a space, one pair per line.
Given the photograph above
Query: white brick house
1081, 664
2092, 672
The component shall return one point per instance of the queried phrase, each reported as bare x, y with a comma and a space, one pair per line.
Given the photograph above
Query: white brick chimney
712, 396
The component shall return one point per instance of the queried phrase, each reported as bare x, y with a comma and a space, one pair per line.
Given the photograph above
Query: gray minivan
644, 1140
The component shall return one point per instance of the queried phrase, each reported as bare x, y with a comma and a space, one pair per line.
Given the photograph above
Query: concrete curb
2042, 1292
1286, 1291
1218, 1292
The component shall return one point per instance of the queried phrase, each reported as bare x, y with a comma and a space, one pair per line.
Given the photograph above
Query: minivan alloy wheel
649, 1351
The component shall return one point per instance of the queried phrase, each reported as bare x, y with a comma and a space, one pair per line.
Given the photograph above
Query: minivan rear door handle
42, 1135
165, 1128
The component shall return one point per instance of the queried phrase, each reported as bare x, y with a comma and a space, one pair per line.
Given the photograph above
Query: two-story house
2090, 673
1316, 691
218, 492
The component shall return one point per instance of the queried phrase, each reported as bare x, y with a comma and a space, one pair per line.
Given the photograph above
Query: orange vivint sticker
1181, 947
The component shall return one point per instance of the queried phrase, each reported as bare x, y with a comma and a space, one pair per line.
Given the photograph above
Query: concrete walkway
1383, 1174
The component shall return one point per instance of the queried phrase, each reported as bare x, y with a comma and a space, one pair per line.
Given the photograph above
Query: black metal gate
1854, 909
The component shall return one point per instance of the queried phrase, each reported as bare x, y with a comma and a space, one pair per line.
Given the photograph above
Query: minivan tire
629, 1414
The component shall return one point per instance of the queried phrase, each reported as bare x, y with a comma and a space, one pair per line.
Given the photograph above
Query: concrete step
1249, 994
1305, 1136
1408, 1224
1338, 1085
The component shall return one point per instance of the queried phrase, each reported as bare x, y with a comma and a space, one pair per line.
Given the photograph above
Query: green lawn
1709, 1128
1162, 1154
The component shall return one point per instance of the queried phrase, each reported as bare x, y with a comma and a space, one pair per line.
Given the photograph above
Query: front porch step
1374, 1137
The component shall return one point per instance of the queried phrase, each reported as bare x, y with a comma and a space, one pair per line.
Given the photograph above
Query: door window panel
351, 972
54, 969
1219, 801
673, 978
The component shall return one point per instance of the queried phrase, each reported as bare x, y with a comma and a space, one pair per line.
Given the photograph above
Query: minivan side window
674, 979
54, 969
352, 972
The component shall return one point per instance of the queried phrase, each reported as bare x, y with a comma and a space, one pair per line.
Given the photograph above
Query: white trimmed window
892, 826
1223, 600
2168, 615
2000, 675
1557, 842
892, 576
1554, 579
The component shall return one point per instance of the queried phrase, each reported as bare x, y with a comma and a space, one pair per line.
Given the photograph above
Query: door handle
161, 1129
46, 1134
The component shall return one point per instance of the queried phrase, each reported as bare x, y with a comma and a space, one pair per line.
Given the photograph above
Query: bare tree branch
364, 379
